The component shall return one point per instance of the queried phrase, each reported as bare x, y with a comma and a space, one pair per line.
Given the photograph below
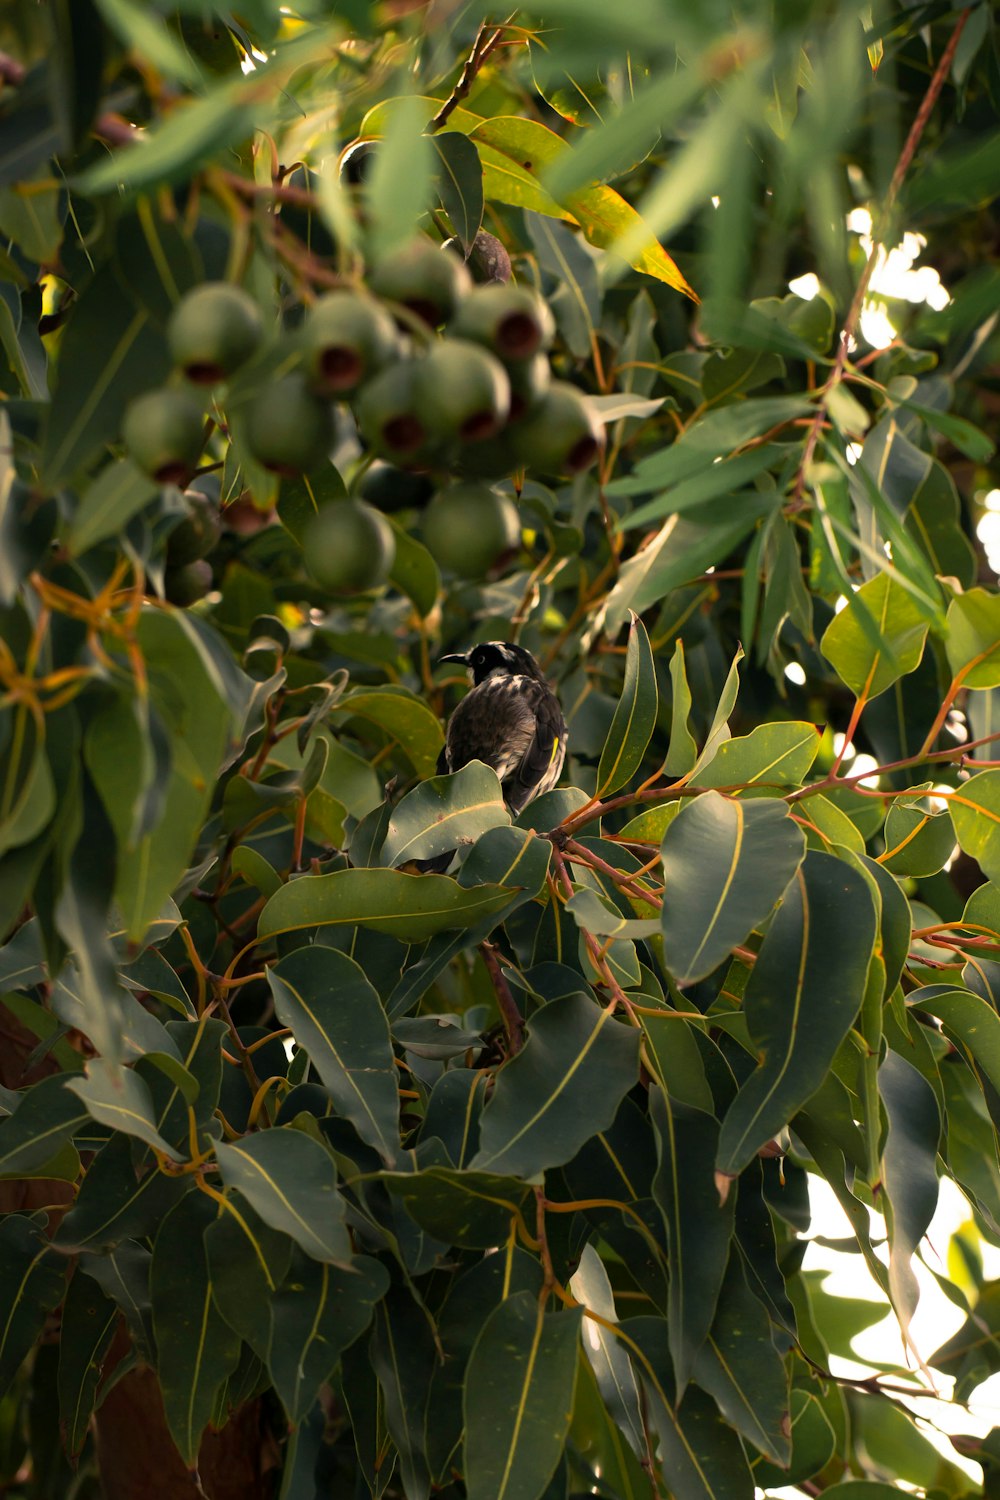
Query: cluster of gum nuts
444, 378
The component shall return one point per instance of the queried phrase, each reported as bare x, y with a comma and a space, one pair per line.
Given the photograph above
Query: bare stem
512, 1019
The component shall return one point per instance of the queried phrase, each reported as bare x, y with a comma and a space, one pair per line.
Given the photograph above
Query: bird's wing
536, 768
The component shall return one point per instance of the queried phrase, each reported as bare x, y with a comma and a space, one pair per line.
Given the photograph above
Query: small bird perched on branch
511, 720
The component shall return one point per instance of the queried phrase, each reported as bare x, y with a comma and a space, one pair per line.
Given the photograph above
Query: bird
510, 720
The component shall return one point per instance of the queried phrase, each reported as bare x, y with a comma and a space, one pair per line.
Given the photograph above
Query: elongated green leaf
46, 1117
403, 1356
975, 813
918, 840
32, 1281
802, 996
399, 187
292, 1183
315, 1315
109, 354
459, 178
682, 752
518, 1399
725, 864
469, 1208
410, 907
970, 1020
195, 1349
772, 754
714, 436
725, 477
403, 716
574, 1050
973, 638
909, 1167
89, 1320
118, 1097
699, 1226
336, 1015
635, 716
247, 1262
698, 1449
118, 492
606, 1354
414, 571
740, 1368
443, 812
900, 629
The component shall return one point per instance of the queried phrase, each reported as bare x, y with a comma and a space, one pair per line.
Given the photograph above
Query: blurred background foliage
706, 195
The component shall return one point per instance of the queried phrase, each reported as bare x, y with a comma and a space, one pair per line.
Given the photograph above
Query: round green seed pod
198, 532
348, 547
289, 429
510, 321
561, 435
213, 330
186, 585
164, 432
348, 337
392, 489
468, 527
424, 278
386, 411
463, 392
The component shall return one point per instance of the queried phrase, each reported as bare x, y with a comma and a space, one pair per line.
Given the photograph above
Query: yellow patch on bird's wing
555, 749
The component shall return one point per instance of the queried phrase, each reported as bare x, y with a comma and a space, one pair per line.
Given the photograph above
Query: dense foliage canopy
330, 1168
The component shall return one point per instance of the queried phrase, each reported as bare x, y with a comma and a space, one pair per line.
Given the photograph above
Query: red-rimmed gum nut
187, 584
197, 533
427, 280
348, 547
386, 411
562, 435
164, 432
213, 330
348, 337
463, 391
468, 527
289, 429
512, 322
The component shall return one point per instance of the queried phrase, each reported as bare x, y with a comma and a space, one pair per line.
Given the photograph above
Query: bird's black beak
456, 656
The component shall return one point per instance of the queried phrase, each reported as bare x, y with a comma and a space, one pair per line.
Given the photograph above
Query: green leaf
444, 812
109, 353
403, 1356
576, 295
470, 1208
113, 1204
519, 1399
698, 1449
114, 497
460, 183
29, 217
404, 717
291, 1181
247, 1262
46, 1117
682, 752
118, 1097
316, 1314
399, 187
918, 840
89, 1321
740, 1368
699, 1227
725, 864
410, 907
195, 1349
335, 1014
909, 1169
975, 813
727, 476
877, 639
533, 1121
596, 915
715, 436
970, 1020
635, 716
146, 33
32, 1282
801, 998
608, 1359
972, 641
414, 571
780, 753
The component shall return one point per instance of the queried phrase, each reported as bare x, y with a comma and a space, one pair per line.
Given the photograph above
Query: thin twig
481, 49
512, 1019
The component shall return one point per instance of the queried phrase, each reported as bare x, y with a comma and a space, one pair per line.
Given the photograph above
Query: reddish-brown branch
512, 1019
